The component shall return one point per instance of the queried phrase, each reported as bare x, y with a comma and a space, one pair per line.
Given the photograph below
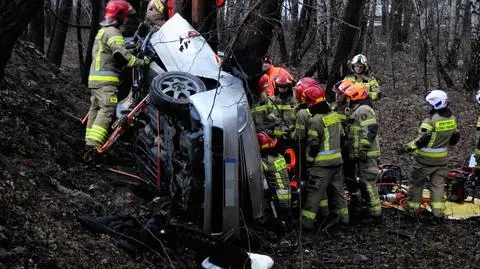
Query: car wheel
174, 88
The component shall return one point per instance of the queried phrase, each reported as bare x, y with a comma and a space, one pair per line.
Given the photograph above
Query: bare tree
455, 33
55, 51
396, 25
36, 30
368, 40
349, 30
252, 41
430, 46
473, 73
385, 4
204, 19
407, 20
14, 18
94, 26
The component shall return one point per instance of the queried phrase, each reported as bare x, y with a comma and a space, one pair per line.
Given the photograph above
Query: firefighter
262, 107
272, 72
109, 57
302, 113
436, 133
342, 107
363, 145
275, 171
156, 13
299, 135
359, 67
324, 161
283, 105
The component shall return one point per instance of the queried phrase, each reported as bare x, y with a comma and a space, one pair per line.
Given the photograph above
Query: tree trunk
78, 19
294, 11
452, 52
407, 20
430, 47
358, 48
303, 26
368, 40
48, 17
452, 20
283, 46
204, 19
396, 25
94, 26
36, 30
348, 32
384, 16
253, 39
184, 8
14, 18
473, 74
55, 53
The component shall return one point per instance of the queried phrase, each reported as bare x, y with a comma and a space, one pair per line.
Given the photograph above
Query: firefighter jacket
109, 57
301, 125
260, 111
436, 133
283, 111
343, 110
324, 135
362, 132
371, 83
477, 146
275, 171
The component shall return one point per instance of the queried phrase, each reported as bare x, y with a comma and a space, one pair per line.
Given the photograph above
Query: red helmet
265, 141
314, 94
262, 83
303, 84
356, 92
117, 10
283, 81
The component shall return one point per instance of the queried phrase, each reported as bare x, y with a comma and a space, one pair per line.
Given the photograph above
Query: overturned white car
198, 143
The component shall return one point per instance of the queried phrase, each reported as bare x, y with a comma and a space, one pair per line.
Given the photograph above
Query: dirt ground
45, 187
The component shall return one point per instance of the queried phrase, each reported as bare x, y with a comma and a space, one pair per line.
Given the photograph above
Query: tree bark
385, 17
407, 20
473, 73
368, 41
55, 53
431, 48
283, 46
452, 53
452, 20
14, 18
252, 41
348, 32
204, 19
36, 30
303, 25
358, 48
94, 26
396, 25
78, 19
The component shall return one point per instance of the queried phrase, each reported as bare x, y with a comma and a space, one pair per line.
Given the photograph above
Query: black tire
174, 88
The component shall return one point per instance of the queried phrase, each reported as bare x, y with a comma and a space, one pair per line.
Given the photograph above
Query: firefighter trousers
103, 102
367, 171
422, 174
317, 202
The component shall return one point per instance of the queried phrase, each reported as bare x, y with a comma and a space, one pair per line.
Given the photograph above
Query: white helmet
359, 59
437, 99
477, 96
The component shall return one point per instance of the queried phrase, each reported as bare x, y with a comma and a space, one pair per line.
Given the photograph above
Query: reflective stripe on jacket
275, 170
362, 132
439, 130
283, 111
371, 83
301, 125
324, 133
105, 68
